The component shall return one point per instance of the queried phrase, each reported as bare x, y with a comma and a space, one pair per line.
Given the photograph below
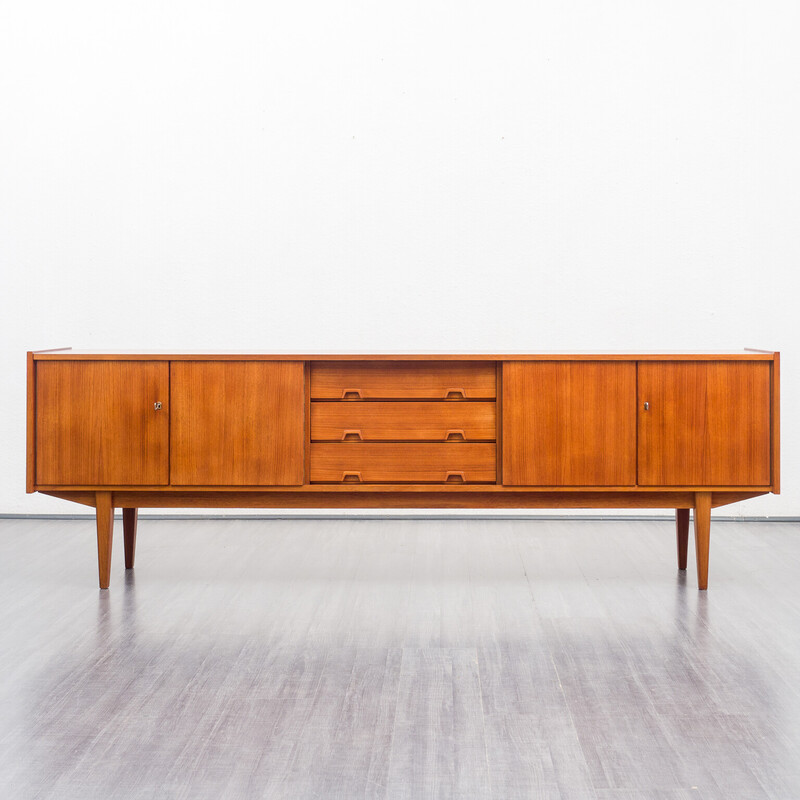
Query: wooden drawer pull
351, 477
351, 394
351, 435
455, 394
456, 435
455, 477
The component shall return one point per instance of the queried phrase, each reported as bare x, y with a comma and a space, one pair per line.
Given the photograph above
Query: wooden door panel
237, 423
96, 424
569, 423
708, 423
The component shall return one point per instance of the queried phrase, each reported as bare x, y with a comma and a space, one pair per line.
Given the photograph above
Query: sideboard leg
130, 516
682, 532
702, 531
105, 532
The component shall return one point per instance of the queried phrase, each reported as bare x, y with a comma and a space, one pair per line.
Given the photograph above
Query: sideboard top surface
68, 353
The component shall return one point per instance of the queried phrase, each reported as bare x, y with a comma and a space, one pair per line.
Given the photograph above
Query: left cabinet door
97, 423
237, 423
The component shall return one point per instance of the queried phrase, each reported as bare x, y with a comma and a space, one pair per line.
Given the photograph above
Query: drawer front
421, 380
401, 421
381, 462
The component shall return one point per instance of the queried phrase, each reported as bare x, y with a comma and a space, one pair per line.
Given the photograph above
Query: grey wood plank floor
559, 659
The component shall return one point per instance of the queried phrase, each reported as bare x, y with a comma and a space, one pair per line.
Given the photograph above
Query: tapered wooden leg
130, 516
682, 533
105, 533
702, 531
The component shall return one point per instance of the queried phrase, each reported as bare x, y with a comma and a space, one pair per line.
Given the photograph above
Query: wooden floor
399, 659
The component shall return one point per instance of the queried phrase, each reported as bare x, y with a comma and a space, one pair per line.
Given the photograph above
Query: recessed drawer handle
351, 477
354, 434
457, 435
455, 394
351, 394
455, 477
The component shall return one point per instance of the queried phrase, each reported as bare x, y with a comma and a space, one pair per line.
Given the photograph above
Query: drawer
404, 421
422, 380
383, 462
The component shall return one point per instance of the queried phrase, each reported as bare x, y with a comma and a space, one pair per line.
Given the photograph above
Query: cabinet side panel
569, 423
96, 424
30, 442
776, 424
237, 423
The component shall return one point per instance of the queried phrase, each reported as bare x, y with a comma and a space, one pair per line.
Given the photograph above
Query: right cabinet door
704, 423
569, 423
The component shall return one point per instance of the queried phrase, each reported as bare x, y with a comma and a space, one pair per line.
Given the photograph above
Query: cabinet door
237, 423
569, 423
97, 425
707, 423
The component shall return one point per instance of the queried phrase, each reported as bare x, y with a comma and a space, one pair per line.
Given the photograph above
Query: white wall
397, 176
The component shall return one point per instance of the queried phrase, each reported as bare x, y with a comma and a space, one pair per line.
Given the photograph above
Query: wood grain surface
569, 423
368, 380
130, 518
105, 536
682, 535
237, 423
432, 495
581, 355
96, 423
398, 462
702, 536
403, 421
707, 424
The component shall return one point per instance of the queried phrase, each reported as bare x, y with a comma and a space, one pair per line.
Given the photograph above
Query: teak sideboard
667, 430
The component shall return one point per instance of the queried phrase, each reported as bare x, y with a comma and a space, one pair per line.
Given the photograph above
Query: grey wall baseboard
392, 517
